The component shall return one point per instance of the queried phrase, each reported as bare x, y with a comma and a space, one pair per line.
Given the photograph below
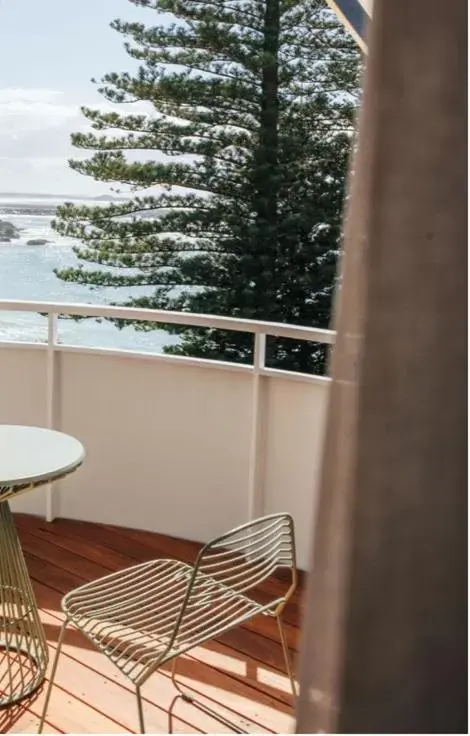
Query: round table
29, 457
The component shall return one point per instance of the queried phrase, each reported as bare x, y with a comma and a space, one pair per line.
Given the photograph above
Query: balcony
177, 449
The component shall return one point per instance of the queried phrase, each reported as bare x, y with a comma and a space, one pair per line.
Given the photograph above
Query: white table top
33, 454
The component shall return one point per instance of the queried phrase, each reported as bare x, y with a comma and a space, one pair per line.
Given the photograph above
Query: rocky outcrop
8, 232
37, 241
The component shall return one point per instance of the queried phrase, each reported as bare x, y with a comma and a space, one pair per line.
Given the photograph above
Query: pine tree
245, 144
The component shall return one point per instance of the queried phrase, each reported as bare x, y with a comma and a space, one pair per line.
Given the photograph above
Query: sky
49, 50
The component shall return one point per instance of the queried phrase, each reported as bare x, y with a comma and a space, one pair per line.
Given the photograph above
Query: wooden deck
242, 673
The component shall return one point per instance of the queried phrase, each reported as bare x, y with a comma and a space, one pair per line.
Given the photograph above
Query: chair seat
131, 615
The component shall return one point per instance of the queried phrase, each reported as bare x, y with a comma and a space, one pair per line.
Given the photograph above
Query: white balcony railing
179, 445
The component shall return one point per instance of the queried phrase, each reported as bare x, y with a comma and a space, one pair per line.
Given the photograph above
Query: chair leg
197, 704
285, 650
140, 709
52, 676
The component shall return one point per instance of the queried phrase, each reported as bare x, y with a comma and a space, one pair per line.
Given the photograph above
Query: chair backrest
231, 568
246, 556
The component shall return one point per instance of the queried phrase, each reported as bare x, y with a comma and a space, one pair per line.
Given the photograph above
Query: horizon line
51, 195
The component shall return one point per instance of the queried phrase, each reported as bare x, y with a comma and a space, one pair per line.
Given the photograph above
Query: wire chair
150, 614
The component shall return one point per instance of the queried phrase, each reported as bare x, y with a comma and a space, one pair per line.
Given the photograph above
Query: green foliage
243, 151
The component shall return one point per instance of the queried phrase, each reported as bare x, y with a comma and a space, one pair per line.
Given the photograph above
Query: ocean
27, 272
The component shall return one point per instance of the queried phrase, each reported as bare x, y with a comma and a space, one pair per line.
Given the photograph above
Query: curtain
384, 646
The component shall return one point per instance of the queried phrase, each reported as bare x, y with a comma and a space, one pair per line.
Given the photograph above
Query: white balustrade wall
181, 446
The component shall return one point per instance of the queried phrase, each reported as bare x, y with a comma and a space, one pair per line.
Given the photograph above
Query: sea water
27, 273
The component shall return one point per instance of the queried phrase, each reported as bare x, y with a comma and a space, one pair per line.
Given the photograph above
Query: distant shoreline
63, 197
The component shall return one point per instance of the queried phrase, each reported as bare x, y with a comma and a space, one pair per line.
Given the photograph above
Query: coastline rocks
8, 232
37, 241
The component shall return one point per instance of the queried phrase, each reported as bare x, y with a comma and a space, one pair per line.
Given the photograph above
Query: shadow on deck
241, 674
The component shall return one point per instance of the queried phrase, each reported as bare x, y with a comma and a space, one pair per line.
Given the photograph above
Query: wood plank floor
241, 675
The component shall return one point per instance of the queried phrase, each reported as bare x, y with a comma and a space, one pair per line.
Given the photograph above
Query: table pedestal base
23, 646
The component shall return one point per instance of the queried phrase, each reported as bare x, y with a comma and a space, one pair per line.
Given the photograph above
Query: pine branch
251, 106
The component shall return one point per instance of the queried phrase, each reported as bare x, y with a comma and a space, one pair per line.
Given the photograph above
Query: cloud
39, 109
35, 128
36, 94
43, 175
24, 110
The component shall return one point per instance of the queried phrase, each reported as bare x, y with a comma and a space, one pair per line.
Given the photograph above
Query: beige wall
168, 442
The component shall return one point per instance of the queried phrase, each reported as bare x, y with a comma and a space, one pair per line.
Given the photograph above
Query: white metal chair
152, 613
